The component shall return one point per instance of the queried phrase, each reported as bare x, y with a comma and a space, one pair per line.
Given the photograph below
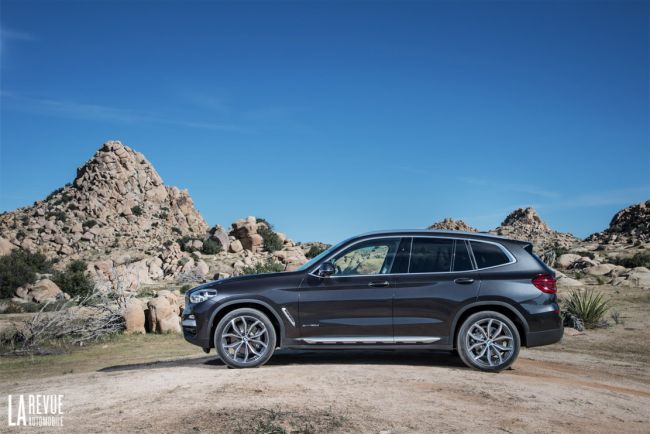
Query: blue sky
334, 118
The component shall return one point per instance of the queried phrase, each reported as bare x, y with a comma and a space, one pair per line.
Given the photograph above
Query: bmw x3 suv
480, 295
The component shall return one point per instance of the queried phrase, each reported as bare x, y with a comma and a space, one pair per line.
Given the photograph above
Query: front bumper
196, 324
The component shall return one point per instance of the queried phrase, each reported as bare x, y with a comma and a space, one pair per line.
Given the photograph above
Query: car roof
416, 232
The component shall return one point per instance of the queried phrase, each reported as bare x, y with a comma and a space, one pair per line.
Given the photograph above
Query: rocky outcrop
42, 291
449, 224
163, 313
629, 226
6, 247
526, 225
117, 201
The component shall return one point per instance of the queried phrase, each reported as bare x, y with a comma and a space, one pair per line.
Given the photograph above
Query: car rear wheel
245, 338
488, 341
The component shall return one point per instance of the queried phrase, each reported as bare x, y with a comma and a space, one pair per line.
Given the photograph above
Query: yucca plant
590, 306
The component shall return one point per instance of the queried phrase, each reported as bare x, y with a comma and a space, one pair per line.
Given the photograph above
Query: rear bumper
546, 337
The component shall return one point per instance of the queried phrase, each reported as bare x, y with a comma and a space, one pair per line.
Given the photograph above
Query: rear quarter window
488, 255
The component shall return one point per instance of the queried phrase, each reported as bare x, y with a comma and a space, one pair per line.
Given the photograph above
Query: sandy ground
546, 391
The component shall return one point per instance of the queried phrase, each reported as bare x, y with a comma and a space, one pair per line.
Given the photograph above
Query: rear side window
488, 255
431, 255
461, 257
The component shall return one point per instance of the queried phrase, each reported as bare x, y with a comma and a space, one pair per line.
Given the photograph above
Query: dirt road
546, 391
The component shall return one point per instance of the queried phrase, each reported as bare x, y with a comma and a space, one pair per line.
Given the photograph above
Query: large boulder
6, 247
134, 318
291, 257
41, 291
163, 317
566, 260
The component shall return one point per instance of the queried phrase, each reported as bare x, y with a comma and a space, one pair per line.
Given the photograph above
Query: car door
439, 281
354, 305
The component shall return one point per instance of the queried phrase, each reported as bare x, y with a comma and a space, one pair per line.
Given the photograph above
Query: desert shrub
270, 266
101, 318
20, 234
24, 220
137, 210
176, 230
20, 267
185, 288
211, 247
58, 215
272, 241
54, 193
315, 250
75, 279
589, 306
641, 259
168, 243
89, 224
186, 243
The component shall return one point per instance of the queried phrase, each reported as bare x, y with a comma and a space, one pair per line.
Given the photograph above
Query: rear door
354, 305
439, 280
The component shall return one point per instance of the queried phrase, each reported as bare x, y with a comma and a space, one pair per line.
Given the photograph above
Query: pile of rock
449, 224
630, 225
41, 291
597, 271
160, 314
526, 225
117, 201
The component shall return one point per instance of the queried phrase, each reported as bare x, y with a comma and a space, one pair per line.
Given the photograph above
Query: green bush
211, 247
137, 210
20, 267
272, 241
58, 215
315, 250
641, 259
185, 288
270, 266
75, 279
588, 305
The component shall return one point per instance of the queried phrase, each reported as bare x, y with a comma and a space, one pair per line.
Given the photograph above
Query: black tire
502, 341
238, 341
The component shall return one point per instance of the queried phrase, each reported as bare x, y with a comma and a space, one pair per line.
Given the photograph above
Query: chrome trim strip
289, 317
189, 323
506, 251
372, 340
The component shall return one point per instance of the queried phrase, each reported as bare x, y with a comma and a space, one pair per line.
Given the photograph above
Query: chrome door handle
383, 284
464, 280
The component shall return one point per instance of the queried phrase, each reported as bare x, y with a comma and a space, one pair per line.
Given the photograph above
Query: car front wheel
245, 338
488, 341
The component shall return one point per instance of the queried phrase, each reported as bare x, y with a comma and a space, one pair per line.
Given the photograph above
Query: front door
440, 280
354, 305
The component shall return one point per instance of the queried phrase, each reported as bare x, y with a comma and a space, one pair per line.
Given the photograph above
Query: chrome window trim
469, 246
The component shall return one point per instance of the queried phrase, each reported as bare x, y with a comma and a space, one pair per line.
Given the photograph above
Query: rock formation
526, 225
449, 224
630, 225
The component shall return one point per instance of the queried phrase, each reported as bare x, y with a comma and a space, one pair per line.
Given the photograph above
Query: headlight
202, 295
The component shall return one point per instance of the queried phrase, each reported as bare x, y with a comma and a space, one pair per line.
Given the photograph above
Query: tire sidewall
224, 322
464, 354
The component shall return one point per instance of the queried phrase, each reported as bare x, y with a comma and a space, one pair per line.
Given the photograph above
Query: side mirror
326, 269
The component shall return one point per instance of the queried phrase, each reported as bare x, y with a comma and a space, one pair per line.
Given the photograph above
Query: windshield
315, 259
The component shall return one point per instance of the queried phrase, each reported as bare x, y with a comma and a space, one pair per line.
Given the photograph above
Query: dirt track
356, 392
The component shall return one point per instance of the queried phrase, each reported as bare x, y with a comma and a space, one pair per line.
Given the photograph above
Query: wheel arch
252, 303
497, 306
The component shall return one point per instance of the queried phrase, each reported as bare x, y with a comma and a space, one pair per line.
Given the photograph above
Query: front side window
431, 255
367, 258
488, 254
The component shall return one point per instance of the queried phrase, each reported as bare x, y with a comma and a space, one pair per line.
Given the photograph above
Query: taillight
545, 283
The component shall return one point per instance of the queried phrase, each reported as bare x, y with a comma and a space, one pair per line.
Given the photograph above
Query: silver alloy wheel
489, 342
245, 339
